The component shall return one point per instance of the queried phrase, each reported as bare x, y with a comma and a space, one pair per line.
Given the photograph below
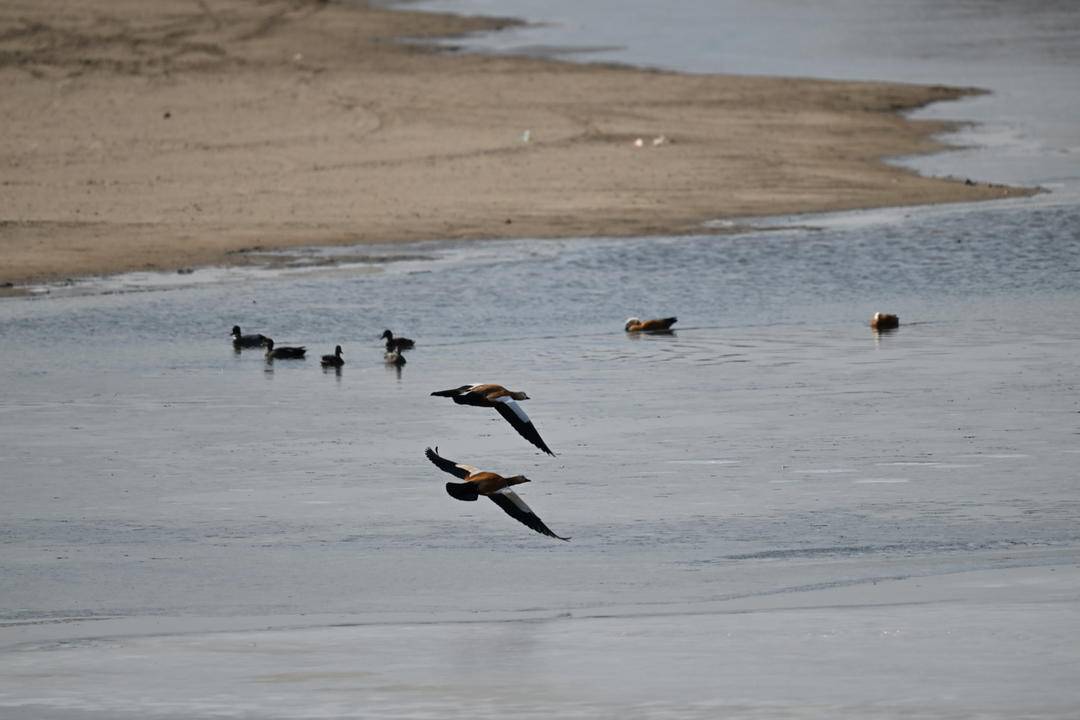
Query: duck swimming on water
884, 321
334, 360
400, 343
246, 341
284, 352
393, 356
504, 402
494, 487
657, 325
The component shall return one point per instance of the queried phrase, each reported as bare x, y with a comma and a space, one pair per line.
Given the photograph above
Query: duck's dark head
337, 350
269, 344
387, 335
519, 395
236, 331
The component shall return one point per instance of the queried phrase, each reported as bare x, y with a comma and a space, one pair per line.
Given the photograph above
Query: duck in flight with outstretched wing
495, 487
504, 401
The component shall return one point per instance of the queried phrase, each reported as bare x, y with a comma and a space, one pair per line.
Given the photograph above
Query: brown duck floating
658, 324
503, 400
494, 487
884, 321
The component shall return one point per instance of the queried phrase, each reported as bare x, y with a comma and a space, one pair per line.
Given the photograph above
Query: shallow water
775, 512
168, 500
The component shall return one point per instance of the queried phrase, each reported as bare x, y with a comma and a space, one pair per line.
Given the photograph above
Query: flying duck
495, 487
884, 321
393, 343
334, 360
660, 324
393, 356
283, 352
246, 341
498, 397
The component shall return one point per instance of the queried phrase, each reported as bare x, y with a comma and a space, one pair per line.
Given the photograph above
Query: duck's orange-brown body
636, 325
489, 482
493, 392
884, 321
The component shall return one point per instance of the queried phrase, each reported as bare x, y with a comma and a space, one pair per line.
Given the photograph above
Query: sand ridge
163, 135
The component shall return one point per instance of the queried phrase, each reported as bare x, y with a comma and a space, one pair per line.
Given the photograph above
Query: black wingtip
548, 531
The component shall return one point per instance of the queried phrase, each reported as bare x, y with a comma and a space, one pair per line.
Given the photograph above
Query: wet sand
163, 136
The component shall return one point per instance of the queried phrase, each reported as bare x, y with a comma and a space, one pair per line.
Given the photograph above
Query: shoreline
143, 138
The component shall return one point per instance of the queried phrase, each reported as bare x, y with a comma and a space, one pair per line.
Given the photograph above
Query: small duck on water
246, 341
884, 321
284, 352
399, 344
393, 356
657, 325
334, 360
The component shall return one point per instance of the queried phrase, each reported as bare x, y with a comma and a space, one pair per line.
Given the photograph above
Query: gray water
775, 512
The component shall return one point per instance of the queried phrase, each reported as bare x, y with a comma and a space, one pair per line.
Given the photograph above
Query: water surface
182, 517
775, 512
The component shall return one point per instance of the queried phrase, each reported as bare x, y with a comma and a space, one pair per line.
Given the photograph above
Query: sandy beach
160, 136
